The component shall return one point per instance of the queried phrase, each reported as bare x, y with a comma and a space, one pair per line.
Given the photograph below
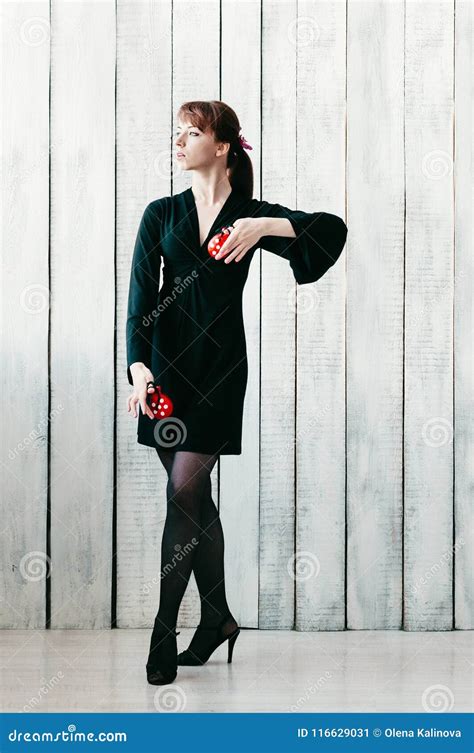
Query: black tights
192, 530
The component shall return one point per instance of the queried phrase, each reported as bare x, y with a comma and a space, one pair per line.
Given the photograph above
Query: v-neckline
195, 217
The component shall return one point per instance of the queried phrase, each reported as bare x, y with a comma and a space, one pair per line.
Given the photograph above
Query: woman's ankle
216, 618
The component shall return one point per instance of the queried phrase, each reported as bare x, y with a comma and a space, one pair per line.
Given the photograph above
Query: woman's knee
185, 495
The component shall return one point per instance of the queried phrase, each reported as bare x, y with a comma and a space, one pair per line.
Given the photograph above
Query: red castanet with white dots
160, 404
217, 241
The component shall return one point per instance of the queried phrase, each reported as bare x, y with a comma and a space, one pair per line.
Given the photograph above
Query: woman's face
198, 148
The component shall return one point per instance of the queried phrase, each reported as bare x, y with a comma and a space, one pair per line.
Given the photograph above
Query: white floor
272, 671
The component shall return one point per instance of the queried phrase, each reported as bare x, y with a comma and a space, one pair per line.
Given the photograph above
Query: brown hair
222, 120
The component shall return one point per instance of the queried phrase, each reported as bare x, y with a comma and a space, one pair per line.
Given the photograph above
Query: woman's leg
217, 623
187, 482
208, 563
166, 457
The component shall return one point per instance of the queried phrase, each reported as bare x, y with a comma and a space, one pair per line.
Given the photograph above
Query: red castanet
160, 404
217, 241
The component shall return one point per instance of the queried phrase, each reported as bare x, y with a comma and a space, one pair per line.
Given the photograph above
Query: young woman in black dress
188, 337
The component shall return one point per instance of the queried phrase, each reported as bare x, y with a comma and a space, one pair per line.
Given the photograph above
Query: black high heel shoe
161, 667
205, 641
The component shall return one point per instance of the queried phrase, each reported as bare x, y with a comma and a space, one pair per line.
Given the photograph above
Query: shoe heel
230, 651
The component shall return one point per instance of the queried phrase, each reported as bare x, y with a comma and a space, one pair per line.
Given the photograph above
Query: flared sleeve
320, 239
144, 287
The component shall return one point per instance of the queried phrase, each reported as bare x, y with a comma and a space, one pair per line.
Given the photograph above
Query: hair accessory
243, 143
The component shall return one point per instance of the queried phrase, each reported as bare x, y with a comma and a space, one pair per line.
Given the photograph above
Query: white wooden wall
351, 505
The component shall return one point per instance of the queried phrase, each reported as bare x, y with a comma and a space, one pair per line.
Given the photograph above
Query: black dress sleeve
320, 239
143, 288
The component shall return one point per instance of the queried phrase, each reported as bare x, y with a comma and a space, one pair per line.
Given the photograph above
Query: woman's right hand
141, 374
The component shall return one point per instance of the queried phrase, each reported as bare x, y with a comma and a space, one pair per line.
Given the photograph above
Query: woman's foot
207, 638
161, 667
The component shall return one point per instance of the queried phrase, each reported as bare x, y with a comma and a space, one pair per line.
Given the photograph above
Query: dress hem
192, 447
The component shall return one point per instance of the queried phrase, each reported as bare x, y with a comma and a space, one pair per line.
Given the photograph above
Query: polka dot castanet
160, 404
217, 241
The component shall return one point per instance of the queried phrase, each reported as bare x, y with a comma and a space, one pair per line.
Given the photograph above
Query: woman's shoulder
156, 206
160, 206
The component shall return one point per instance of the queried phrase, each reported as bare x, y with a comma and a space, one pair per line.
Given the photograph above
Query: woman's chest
205, 218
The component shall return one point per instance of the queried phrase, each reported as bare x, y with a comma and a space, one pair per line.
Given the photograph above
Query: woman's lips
180, 154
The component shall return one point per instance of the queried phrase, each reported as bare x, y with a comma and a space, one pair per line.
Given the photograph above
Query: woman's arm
143, 289
277, 226
313, 245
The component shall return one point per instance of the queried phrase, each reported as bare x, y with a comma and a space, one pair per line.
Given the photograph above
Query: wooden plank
320, 37
143, 174
428, 441
195, 76
463, 325
82, 312
374, 259
240, 474
301, 348
25, 314
277, 429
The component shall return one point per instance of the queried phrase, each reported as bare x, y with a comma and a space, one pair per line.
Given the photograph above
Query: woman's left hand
246, 233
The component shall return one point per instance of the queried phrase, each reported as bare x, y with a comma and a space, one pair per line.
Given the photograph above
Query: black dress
190, 332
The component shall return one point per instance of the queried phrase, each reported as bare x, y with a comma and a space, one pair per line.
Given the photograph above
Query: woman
188, 337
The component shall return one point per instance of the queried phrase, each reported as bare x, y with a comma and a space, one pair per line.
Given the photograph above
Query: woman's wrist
137, 366
275, 226
262, 224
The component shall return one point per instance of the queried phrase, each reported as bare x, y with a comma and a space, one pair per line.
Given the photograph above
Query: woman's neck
212, 190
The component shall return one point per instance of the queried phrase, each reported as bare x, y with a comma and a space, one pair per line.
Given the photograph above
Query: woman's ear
223, 148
